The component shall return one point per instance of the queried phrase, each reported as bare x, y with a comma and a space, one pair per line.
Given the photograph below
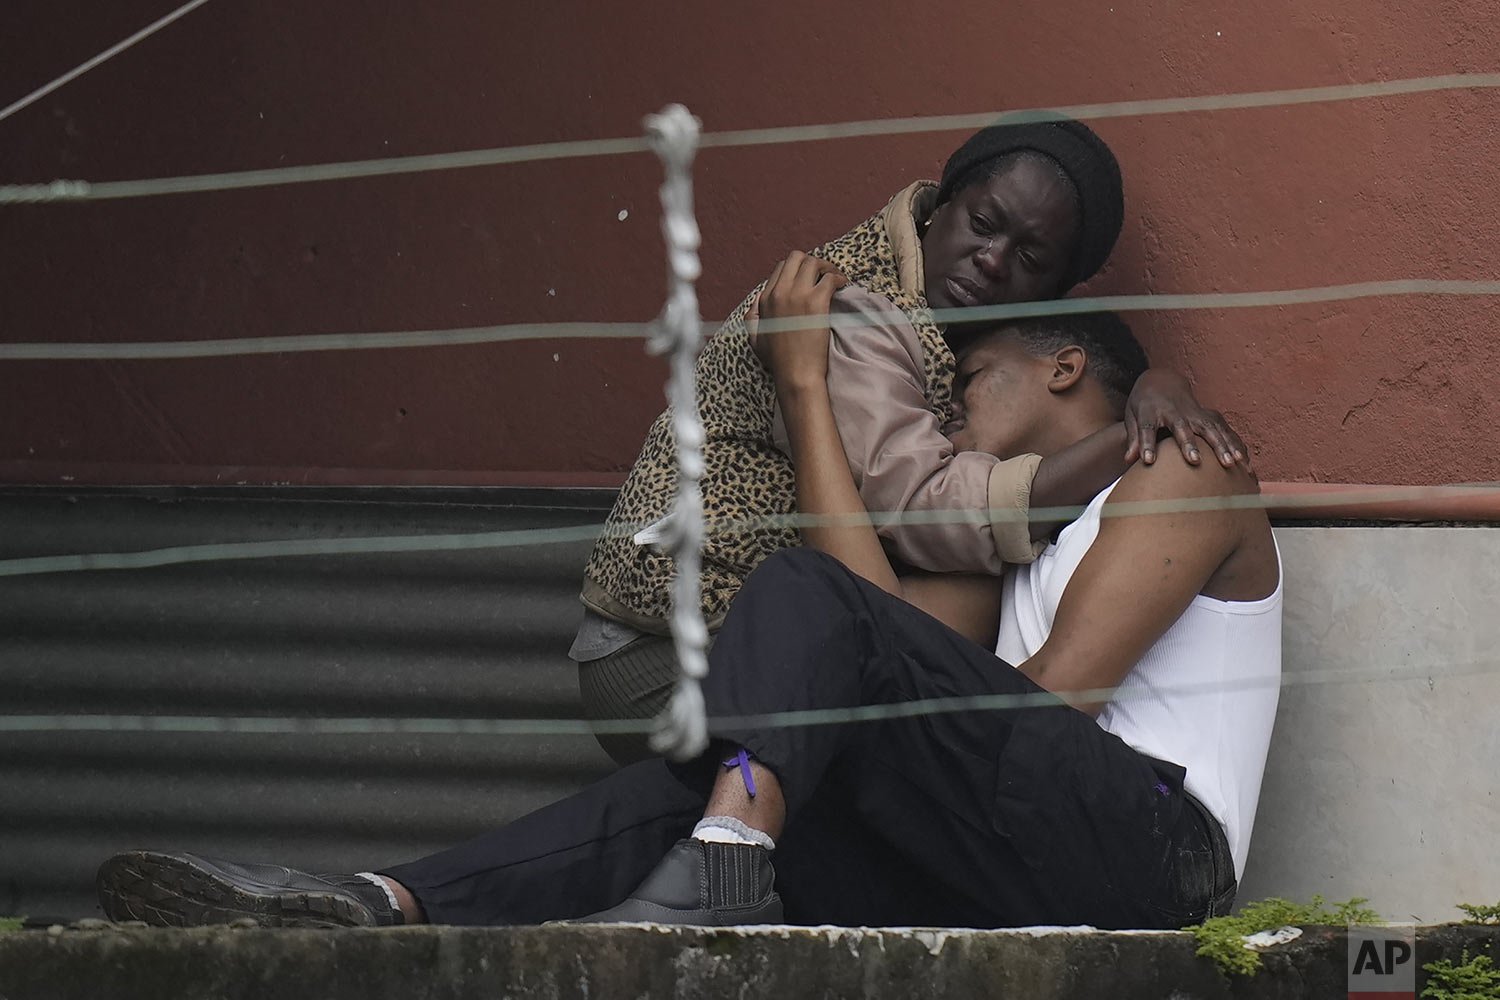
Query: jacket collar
912, 206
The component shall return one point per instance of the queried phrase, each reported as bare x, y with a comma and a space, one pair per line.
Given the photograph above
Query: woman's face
1006, 239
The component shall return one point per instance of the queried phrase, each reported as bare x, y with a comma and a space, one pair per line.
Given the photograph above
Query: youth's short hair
1115, 358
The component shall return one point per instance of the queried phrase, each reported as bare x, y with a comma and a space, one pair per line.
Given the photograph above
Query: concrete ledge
439, 963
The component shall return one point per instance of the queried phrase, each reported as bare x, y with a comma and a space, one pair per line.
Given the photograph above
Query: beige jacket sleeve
938, 509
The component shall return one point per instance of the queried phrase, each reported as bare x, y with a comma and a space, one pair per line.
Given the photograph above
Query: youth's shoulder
1171, 477
1205, 507
1186, 512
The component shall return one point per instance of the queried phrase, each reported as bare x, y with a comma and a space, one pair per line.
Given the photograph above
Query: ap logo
1383, 962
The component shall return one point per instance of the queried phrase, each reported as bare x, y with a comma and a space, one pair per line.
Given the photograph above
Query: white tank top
1204, 696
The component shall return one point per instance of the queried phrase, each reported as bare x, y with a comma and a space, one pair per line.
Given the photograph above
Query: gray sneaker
703, 885
185, 890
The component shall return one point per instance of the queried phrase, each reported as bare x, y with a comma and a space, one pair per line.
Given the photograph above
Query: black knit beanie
1082, 155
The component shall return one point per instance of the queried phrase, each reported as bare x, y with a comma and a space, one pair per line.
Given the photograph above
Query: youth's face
999, 396
1007, 239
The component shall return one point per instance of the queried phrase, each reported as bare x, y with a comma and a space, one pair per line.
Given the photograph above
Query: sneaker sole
167, 891
640, 911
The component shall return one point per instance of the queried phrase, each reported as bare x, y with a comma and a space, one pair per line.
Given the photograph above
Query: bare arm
825, 490
1141, 572
1072, 477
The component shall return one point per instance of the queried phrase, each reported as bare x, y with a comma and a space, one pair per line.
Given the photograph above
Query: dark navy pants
996, 818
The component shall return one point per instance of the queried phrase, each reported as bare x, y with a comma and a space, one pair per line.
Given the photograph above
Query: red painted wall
1370, 391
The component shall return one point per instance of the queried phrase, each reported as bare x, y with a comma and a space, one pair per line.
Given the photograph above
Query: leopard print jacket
745, 476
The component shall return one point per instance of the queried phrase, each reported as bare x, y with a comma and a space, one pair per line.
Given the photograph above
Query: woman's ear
1068, 366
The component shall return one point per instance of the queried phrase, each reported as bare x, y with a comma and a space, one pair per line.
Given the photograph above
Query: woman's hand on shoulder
1163, 400
790, 331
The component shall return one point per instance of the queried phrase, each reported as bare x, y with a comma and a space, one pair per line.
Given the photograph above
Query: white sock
728, 830
389, 895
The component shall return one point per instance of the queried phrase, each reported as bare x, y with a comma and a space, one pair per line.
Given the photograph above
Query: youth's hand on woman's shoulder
1163, 400
800, 287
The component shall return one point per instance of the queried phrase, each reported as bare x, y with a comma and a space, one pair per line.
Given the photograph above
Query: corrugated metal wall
462, 634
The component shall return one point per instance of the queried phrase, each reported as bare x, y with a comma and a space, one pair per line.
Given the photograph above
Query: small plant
10, 924
1475, 913
1471, 979
1222, 938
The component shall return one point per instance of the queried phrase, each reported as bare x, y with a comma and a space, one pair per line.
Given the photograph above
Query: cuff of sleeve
1010, 508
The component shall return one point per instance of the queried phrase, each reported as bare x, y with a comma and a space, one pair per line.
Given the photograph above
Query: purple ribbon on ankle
743, 760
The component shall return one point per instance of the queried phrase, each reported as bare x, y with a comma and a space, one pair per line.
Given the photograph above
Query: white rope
66, 191
78, 190
682, 730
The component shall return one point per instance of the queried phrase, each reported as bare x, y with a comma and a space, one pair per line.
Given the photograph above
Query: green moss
724, 945
10, 923
1471, 979
1475, 913
1221, 938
